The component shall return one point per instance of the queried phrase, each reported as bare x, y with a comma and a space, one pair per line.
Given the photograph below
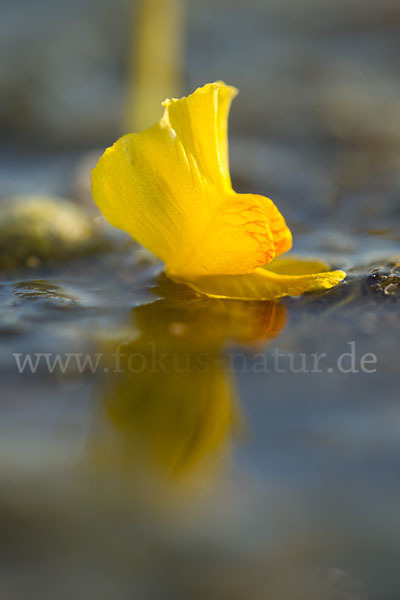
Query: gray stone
44, 228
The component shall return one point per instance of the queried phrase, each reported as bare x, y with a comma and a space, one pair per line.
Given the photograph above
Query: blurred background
234, 484
317, 117
314, 69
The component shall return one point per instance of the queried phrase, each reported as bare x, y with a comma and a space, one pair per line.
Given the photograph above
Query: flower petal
200, 122
169, 188
237, 240
263, 284
297, 265
281, 233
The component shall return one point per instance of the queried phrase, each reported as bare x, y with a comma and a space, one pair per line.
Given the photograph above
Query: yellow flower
169, 187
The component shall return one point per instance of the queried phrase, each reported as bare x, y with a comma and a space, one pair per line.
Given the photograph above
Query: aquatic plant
169, 187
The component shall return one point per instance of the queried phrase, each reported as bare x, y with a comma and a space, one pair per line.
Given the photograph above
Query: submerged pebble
392, 288
39, 228
385, 281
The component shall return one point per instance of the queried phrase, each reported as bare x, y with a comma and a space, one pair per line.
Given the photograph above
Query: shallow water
207, 454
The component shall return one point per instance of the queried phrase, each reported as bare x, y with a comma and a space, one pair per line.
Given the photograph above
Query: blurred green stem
155, 61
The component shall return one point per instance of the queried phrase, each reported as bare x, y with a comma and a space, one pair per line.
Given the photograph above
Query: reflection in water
168, 412
169, 394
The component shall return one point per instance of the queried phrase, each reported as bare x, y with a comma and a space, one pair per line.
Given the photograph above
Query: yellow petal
281, 234
200, 122
296, 265
263, 284
169, 188
238, 240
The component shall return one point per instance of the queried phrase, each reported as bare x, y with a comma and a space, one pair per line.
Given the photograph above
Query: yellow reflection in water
169, 398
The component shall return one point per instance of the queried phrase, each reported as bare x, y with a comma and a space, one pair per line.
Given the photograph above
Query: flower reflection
169, 394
